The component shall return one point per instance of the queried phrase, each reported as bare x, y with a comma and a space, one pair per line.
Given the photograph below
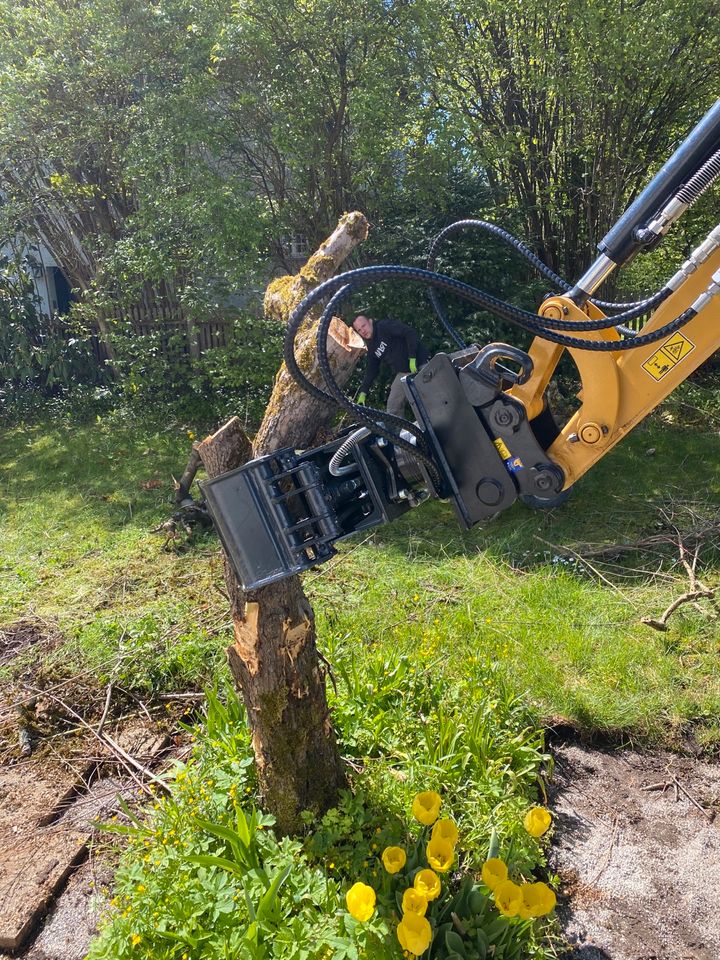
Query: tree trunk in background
274, 659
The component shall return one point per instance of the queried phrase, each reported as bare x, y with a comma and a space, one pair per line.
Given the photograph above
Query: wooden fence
176, 335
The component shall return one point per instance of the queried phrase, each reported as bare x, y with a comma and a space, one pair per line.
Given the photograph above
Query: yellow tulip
445, 830
428, 884
426, 807
538, 900
440, 854
414, 902
494, 871
360, 900
414, 933
393, 859
508, 898
537, 820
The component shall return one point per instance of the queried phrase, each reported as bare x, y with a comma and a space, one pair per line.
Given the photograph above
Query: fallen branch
123, 756
697, 589
182, 486
660, 623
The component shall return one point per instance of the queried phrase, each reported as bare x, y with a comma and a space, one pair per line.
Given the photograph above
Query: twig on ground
128, 761
608, 855
106, 709
697, 589
662, 785
679, 786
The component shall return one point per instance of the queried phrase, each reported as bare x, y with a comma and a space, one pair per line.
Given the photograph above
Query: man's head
363, 325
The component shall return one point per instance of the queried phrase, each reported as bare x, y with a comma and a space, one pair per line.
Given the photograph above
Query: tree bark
274, 659
293, 417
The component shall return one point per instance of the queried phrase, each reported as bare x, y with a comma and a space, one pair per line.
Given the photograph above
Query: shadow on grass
113, 474
617, 502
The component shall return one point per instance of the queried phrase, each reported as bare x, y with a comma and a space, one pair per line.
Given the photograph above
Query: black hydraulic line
336, 395
340, 286
525, 252
291, 363
378, 420
364, 276
546, 329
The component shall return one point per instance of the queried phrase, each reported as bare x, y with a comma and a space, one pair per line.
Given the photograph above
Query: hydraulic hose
534, 260
364, 276
504, 235
335, 466
378, 420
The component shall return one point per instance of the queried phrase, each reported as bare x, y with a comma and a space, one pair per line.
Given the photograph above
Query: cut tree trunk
274, 659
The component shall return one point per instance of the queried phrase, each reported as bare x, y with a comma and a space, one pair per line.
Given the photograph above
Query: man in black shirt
395, 344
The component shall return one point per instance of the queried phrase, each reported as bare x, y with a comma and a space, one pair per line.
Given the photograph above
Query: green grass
76, 548
448, 649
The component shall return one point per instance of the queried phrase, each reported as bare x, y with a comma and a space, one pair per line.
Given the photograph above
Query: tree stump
274, 658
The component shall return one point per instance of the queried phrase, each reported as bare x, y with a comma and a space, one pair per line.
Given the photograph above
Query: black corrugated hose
340, 287
647, 304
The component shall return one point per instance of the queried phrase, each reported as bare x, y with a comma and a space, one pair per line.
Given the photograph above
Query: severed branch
182, 486
697, 590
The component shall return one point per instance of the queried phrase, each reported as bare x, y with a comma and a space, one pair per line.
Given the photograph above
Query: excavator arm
483, 434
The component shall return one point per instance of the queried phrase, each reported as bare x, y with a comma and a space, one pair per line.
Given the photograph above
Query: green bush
40, 356
156, 369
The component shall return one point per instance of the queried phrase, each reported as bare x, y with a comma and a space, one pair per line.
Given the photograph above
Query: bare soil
21, 635
57, 780
637, 848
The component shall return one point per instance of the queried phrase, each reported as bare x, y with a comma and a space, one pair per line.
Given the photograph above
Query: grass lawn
78, 503
450, 652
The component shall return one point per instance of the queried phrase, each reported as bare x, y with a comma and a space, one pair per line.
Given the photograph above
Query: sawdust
640, 867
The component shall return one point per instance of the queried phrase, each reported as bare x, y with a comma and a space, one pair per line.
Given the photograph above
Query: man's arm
371, 371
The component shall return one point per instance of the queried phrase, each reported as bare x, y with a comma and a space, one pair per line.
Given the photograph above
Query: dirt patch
637, 848
19, 636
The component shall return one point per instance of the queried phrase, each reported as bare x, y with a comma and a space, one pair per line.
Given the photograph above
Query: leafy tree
322, 106
107, 142
568, 107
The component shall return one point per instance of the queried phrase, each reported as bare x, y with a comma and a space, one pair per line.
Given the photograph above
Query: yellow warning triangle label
669, 354
677, 347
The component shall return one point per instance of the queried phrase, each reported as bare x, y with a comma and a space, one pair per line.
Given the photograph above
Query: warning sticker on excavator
669, 354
